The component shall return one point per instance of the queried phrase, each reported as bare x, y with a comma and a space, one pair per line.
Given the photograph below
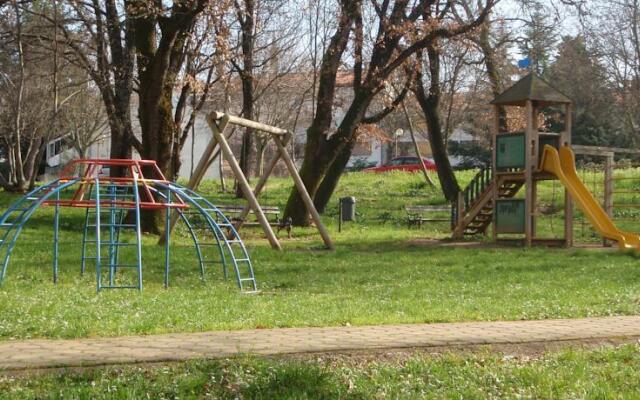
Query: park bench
417, 215
272, 213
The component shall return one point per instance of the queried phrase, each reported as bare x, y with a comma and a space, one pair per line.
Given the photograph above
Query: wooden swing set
218, 123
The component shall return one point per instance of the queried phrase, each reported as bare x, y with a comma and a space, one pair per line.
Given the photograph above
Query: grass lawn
381, 273
606, 373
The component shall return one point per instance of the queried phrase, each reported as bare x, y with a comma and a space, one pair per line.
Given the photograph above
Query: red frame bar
133, 167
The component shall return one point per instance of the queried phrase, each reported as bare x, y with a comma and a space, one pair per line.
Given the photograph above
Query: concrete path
133, 349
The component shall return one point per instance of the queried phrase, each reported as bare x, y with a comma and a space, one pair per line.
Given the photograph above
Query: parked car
410, 164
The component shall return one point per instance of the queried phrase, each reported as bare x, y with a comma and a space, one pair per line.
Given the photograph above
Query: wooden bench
271, 213
417, 215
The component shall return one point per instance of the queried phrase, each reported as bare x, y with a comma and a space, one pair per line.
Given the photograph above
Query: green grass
381, 273
605, 373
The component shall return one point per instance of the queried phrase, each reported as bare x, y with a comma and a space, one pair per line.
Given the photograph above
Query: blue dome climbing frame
114, 205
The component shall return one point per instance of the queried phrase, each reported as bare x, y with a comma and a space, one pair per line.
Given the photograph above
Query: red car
409, 164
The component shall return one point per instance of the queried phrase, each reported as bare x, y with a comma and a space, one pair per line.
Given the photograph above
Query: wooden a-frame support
218, 123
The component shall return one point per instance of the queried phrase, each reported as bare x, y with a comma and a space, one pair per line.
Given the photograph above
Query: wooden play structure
219, 122
521, 160
489, 199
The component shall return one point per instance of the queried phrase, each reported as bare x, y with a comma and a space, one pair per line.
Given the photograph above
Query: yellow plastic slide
563, 166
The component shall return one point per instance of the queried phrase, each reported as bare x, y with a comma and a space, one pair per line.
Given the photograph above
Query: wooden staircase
472, 213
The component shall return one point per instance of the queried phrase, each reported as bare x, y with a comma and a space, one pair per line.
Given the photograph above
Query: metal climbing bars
115, 205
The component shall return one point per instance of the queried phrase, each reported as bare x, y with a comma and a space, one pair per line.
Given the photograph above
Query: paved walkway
158, 348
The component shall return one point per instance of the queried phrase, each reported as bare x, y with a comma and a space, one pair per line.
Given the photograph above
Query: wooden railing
470, 194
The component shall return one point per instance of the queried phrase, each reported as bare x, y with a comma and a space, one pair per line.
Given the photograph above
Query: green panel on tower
510, 216
510, 151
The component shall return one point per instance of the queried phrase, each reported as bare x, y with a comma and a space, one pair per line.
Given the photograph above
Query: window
362, 149
410, 161
55, 148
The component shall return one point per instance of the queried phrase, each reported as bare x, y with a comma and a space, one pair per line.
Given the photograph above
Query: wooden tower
516, 157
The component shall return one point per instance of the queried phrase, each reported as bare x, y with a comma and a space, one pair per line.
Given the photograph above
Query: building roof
533, 88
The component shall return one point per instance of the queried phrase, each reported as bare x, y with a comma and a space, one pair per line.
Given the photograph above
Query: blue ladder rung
113, 225
119, 265
119, 287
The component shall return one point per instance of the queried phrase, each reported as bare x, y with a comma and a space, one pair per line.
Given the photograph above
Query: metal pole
56, 235
98, 266
112, 234
167, 239
138, 228
340, 215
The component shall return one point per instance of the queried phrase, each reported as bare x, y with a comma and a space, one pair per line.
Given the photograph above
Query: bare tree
31, 94
612, 29
380, 35
86, 121
265, 32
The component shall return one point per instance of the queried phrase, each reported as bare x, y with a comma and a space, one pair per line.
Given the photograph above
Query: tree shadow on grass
294, 381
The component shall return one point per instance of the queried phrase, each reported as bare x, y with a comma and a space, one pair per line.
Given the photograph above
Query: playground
382, 272
466, 265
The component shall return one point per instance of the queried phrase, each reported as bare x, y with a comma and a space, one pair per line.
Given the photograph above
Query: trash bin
348, 208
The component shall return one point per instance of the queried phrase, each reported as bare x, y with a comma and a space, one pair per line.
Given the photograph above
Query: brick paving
182, 346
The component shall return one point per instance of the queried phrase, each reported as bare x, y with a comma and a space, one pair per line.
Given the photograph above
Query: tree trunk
430, 107
325, 160
247, 23
332, 178
319, 152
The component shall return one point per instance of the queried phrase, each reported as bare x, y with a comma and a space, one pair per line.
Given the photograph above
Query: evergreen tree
539, 39
578, 73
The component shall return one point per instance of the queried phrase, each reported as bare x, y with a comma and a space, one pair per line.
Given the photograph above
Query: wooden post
302, 190
608, 189
205, 160
534, 210
535, 155
568, 202
494, 168
460, 212
528, 181
244, 184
